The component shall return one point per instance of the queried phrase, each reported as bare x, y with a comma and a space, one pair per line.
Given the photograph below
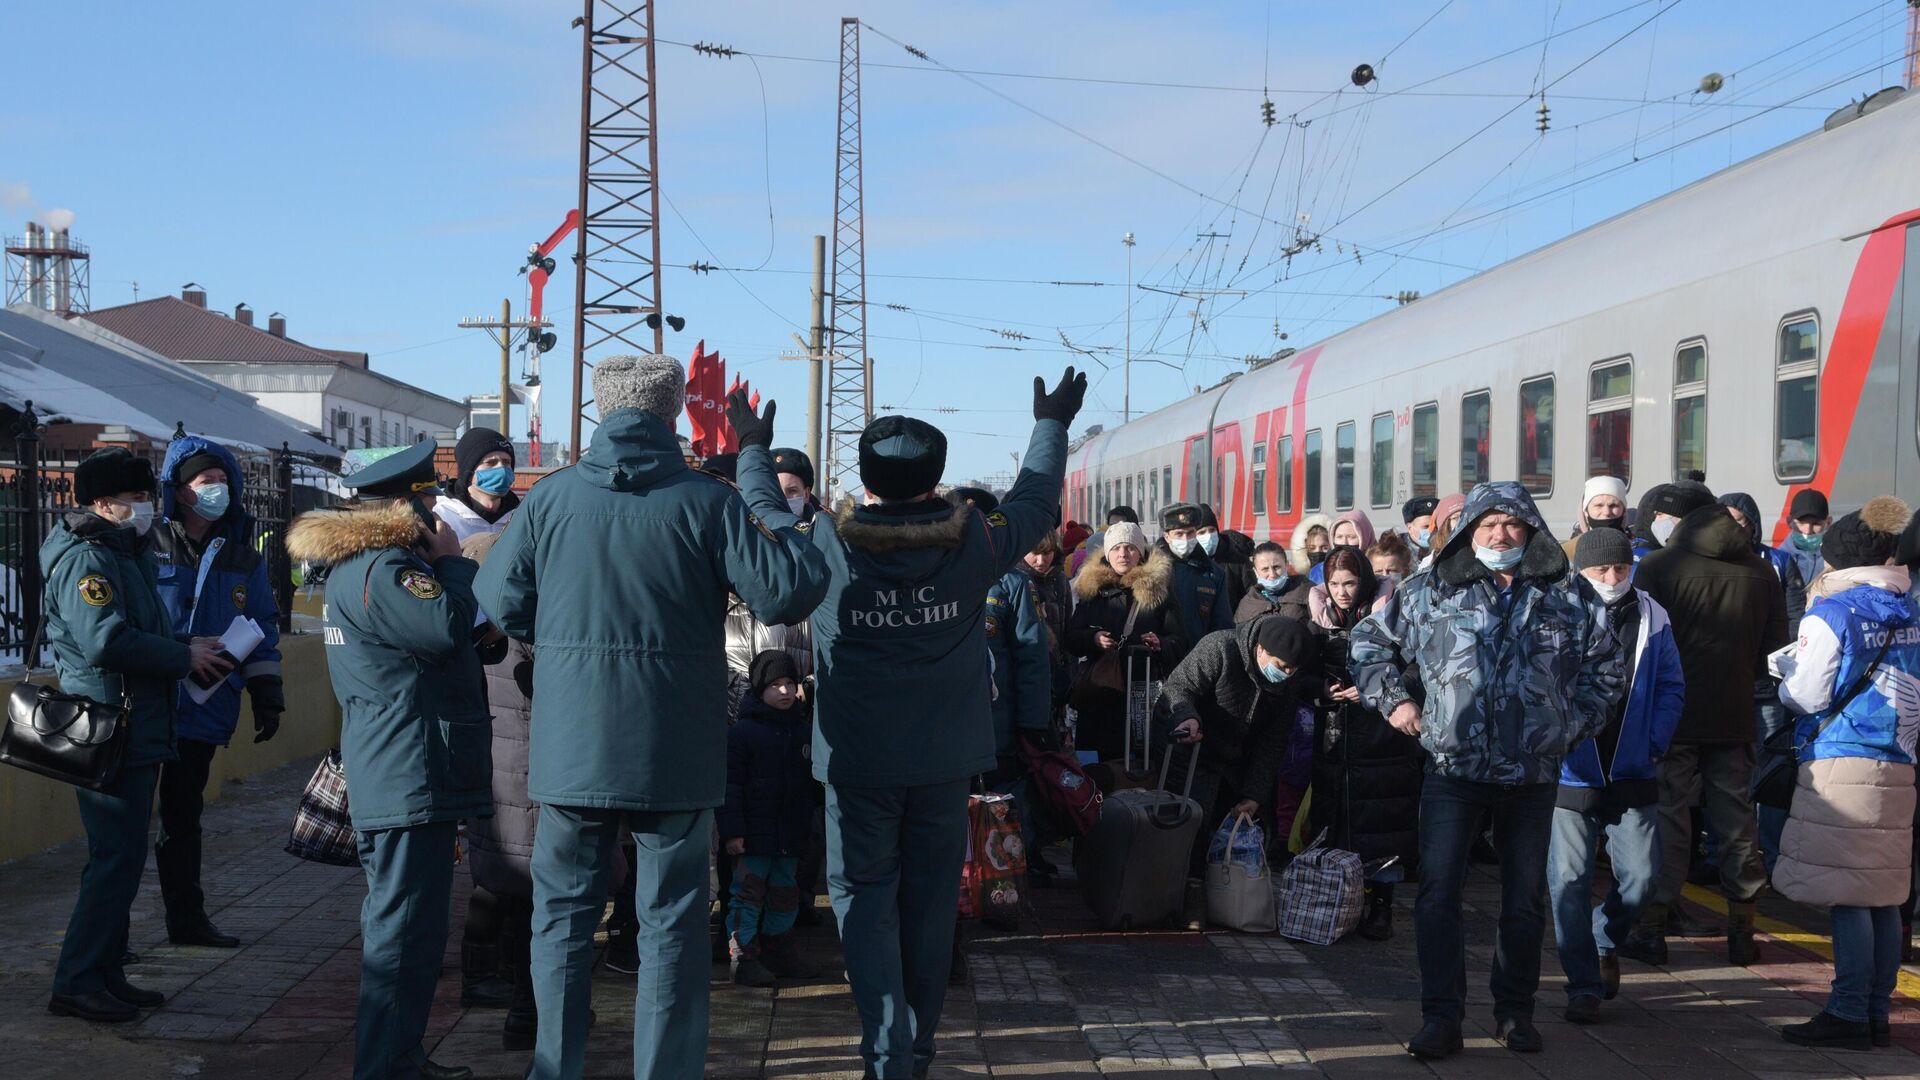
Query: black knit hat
1207, 518
1867, 537
194, 464
1287, 638
985, 500
902, 458
1808, 503
1180, 516
1908, 552
474, 445
1680, 498
1417, 507
108, 472
1602, 547
769, 667
786, 459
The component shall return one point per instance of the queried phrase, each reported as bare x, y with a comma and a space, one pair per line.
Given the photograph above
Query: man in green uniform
415, 737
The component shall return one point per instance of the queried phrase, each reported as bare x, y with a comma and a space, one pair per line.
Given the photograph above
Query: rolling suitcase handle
1129, 713
1193, 762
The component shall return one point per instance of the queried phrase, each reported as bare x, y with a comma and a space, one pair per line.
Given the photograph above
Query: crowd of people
664, 684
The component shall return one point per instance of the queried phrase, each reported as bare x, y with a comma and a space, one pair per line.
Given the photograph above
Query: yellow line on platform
1819, 944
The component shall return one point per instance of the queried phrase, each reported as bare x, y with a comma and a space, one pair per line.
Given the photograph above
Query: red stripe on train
1855, 337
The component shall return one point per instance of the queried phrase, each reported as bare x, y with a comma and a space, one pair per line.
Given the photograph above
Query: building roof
179, 330
73, 369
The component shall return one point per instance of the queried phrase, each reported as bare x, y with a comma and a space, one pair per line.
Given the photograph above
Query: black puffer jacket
1235, 556
1366, 778
1728, 613
1105, 598
771, 791
1242, 716
502, 845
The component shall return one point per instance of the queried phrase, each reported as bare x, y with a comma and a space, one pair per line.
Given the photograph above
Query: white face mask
797, 504
140, 516
1209, 542
1181, 548
1662, 530
1610, 593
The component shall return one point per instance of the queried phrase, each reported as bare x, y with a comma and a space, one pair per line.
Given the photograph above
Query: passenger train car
1761, 324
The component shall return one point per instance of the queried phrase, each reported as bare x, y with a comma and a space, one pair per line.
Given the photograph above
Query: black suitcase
1132, 864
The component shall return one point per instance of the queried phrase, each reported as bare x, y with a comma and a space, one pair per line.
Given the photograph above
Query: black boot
517, 1031
1742, 949
1826, 1029
195, 928
1436, 1039
782, 956
481, 983
1376, 923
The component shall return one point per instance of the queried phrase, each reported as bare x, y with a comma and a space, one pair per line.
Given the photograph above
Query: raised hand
749, 429
1063, 404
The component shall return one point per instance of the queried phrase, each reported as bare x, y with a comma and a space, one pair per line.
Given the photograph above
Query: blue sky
377, 170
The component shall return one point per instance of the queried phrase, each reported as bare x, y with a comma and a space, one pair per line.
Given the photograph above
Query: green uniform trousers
403, 939
116, 824
893, 872
572, 860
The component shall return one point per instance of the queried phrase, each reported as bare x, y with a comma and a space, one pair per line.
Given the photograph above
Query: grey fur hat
657, 384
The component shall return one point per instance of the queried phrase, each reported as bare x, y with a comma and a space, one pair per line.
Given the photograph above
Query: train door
1228, 491
1194, 471
1906, 301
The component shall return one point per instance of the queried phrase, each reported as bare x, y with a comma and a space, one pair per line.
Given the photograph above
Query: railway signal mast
849, 369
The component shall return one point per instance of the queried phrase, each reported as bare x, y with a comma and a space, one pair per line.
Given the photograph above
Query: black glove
269, 701
749, 429
1064, 403
490, 643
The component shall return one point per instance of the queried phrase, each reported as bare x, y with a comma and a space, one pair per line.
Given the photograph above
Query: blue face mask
495, 481
1274, 673
1808, 542
1209, 542
1276, 586
1423, 538
1180, 548
211, 502
1499, 560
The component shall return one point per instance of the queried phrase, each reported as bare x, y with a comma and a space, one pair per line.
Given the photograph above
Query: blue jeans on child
1583, 930
765, 901
1866, 961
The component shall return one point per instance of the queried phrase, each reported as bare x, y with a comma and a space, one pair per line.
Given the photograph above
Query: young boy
767, 821
1611, 783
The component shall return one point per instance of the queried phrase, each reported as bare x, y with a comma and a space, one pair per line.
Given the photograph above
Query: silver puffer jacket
748, 637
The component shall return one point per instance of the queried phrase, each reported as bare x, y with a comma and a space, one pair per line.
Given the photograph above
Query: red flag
715, 402
754, 402
696, 390
731, 439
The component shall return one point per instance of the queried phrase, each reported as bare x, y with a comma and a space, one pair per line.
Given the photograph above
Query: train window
1259, 478
1689, 408
1283, 461
1166, 486
1536, 435
1610, 418
1380, 461
1476, 433
1128, 488
1146, 494
1796, 397
1343, 440
1313, 470
1426, 450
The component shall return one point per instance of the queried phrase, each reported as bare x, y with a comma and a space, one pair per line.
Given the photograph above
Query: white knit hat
657, 384
1603, 485
1124, 532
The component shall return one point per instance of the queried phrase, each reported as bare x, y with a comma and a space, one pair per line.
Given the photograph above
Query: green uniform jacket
617, 570
415, 737
108, 629
900, 643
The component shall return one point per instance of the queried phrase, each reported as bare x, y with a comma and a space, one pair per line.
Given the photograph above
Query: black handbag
68, 737
1778, 771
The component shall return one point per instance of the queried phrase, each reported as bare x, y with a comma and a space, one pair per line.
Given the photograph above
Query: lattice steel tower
849, 371
617, 258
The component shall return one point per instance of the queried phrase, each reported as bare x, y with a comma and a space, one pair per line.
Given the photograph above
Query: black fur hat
109, 472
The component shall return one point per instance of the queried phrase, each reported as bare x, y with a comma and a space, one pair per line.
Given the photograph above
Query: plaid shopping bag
1321, 894
322, 829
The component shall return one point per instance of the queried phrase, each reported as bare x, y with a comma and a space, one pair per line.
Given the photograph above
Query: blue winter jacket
1017, 638
1656, 693
1840, 636
1810, 562
1200, 588
1515, 679
202, 604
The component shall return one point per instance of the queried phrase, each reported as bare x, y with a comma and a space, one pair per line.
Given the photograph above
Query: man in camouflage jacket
1514, 667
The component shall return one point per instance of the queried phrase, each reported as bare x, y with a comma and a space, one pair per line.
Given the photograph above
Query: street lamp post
1126, 378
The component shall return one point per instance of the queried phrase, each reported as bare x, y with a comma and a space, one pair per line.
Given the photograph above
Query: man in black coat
1728, 613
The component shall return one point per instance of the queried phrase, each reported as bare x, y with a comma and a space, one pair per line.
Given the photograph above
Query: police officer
415, 737
617, 570
1199, 583
904, 717
209, 573
110, 637
794, 469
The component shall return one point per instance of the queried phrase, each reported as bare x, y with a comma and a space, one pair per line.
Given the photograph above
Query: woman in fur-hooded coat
1104, 600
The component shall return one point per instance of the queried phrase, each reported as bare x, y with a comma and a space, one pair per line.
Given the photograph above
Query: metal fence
35, 494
